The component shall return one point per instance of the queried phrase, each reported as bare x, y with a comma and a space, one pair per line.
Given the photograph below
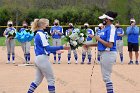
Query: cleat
137, 63
82, 62
131, 62
89, 63
76, 62
8, 62
59, 62
13, 62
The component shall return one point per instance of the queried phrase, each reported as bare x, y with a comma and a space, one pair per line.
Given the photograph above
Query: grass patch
2, 41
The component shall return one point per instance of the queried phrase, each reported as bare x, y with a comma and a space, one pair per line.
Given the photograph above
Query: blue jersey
108, 34
89, 32
99, 32
22, 29
41, 44
56, 35
10, 29
68, 31
119, 31
133, 34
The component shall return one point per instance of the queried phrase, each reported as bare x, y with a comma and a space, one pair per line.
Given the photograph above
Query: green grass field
2, 41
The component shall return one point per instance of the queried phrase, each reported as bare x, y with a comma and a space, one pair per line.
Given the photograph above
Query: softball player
90, 34
71, 29
10, 42
98, 31
107, 47
26, 45
56, 32
42, 52
119, 41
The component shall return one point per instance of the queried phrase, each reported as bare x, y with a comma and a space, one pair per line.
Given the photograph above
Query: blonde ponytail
36, 25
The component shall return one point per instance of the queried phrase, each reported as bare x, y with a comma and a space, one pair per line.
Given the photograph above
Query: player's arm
110, 38
92, 34
53, 49
5, 33
136, 30
61, 32
85, 46
129, 30
105, 43
122, 33
52, 32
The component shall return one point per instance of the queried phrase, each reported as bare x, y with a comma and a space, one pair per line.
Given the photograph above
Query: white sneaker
69, 62
54, 62
8, 62
13, 62
76, 62
59, 62
28, 62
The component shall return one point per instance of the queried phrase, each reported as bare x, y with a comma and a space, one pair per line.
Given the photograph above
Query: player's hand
133, 24
59, 52
66, 47
85, 46
97, 38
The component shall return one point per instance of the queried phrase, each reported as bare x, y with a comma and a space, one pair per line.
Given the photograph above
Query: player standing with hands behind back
107, 47
42, 52
133, 40
56, 32
119, 41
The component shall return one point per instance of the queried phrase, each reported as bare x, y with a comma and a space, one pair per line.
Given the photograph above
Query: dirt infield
70, 78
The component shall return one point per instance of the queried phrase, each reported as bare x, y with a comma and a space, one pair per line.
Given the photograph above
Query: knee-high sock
69, 56
51, 89
76, 57
28, 56
121, 57
54, 57
32, 88
8, 57
83, 57
13, 56
109, 87
59, 57
89, 58
98, 58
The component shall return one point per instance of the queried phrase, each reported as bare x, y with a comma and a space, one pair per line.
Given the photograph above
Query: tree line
75, 11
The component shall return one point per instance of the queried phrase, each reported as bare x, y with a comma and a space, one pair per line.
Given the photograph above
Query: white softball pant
89, 49
26, 47
119, 46
107, 60
44, 69
56, 42
10, 43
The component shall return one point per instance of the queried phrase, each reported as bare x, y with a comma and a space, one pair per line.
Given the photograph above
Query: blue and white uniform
108, 55
26, 48
119, 42
69, 51
10, 43
43, 66
99, 54
88, 51
56, 39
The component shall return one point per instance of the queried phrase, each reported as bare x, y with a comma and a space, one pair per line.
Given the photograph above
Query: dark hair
112, 14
